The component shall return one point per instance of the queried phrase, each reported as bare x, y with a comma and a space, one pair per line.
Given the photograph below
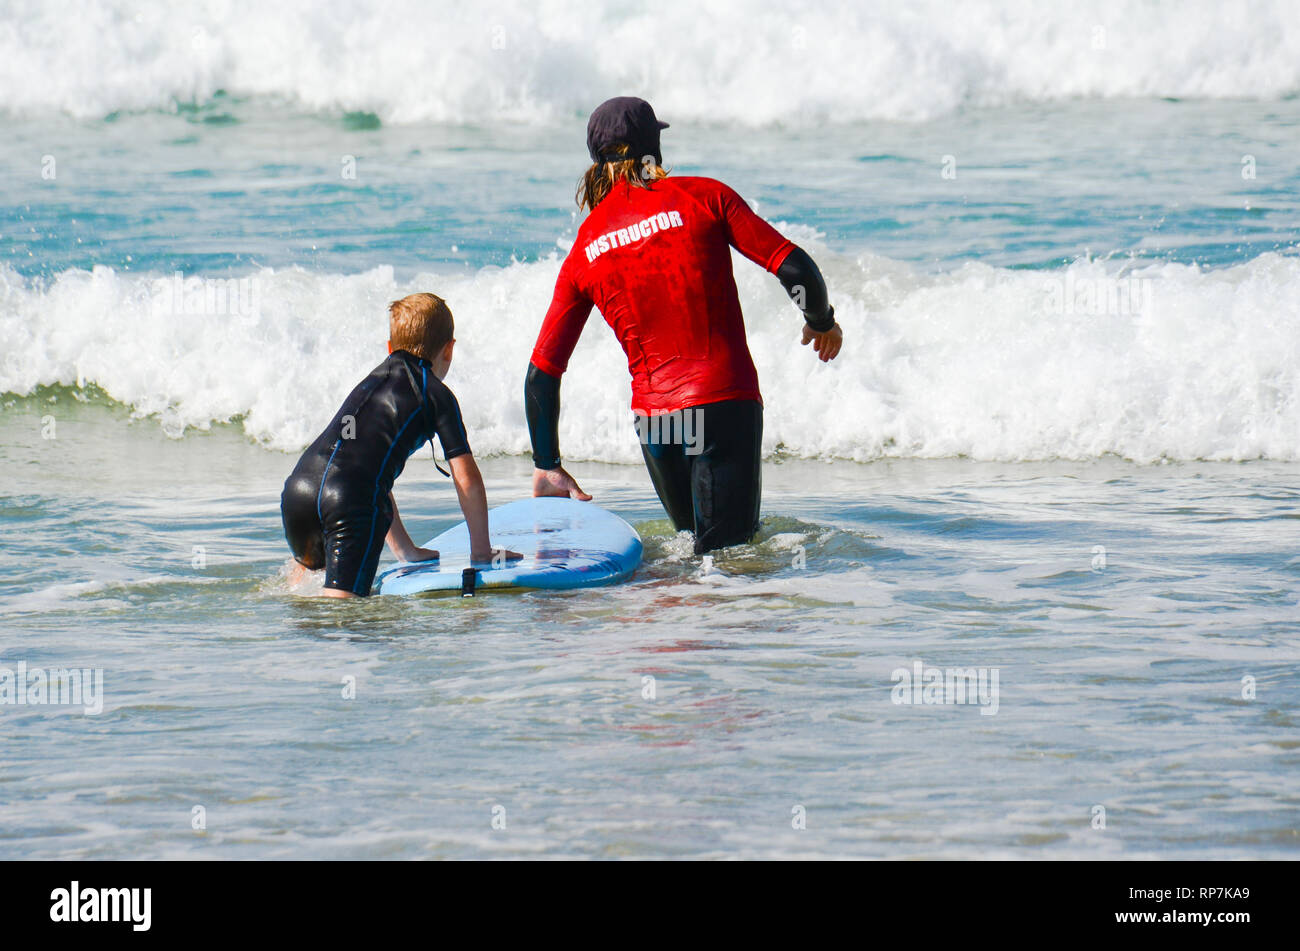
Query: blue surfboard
565, 544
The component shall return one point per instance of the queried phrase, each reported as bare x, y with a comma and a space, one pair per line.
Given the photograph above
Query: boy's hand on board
826, 344
557, 482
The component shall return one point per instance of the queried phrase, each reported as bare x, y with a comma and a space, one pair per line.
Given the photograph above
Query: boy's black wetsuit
335, 504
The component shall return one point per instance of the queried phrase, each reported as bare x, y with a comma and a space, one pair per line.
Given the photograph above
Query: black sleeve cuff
822, 324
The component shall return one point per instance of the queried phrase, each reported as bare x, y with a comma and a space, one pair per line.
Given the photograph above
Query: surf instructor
654, 256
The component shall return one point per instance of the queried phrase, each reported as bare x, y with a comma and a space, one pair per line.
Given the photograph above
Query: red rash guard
657, 262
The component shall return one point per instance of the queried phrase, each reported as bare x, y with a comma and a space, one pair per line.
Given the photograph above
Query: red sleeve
748, 233
562, 326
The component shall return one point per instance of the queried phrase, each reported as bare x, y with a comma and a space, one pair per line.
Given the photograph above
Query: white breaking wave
743, 61
1165, 361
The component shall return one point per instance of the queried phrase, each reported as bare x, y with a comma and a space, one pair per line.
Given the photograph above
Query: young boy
338, 504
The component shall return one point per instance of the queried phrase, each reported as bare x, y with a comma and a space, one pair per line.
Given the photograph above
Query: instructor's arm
761, 243
560, 331
803, 281
542, 407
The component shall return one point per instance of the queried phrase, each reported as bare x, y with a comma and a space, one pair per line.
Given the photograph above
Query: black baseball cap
624, 119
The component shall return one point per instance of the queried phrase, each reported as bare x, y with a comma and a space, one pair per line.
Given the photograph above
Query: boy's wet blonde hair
420, 324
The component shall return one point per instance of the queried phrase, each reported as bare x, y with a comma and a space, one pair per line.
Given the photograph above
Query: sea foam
740, 61
1150, 362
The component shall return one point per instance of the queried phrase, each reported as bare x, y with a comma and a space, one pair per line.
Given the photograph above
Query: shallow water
1120, 686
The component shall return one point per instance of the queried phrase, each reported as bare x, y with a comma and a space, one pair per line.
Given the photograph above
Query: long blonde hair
597, 181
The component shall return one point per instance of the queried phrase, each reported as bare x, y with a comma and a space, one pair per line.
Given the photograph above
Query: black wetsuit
335, 504
708, 471
711, 484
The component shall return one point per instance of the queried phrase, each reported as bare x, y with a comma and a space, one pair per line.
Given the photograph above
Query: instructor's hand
557, 482
826, 344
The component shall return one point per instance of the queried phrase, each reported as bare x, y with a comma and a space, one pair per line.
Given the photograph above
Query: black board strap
467, 579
